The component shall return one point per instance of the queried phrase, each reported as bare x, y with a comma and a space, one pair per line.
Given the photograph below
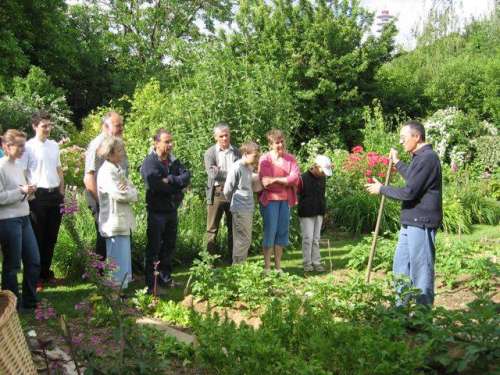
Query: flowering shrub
363, 166
73, 163
354, 210
70, 204
44, 311
487, 151
452, 133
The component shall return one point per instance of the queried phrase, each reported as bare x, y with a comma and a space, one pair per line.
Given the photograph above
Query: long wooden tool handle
377, 225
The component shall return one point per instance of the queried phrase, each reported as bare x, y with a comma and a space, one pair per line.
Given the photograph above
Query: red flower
381, 174
372, 162
357, 149
384, 160
368, 173
370, 180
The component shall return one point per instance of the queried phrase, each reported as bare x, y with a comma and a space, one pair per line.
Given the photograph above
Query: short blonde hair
10, 136
274, 134
110, 145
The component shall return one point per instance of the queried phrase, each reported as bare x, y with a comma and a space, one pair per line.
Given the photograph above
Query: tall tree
145, 32
328, 60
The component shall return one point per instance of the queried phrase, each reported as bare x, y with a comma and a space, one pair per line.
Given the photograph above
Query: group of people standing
32, 190
233, 178
234, 175
110, 194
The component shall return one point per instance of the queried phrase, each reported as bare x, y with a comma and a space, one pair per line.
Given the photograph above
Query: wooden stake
377, 225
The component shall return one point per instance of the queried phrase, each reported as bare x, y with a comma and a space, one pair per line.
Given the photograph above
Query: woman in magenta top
280, 175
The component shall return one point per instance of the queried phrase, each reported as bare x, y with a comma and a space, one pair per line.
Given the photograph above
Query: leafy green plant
458, 259
359, 253
172, 312
357, 212
76, 236
243, 283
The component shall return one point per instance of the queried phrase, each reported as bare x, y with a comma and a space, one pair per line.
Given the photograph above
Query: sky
411, 13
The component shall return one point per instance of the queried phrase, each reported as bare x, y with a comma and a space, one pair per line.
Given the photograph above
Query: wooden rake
377, 225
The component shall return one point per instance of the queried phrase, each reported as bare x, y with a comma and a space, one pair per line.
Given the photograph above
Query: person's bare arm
90, 183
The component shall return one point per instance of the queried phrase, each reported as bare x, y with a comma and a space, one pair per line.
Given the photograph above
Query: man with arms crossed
165, 178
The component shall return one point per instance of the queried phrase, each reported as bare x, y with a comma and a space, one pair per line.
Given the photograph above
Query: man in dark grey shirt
421, 210
218, 159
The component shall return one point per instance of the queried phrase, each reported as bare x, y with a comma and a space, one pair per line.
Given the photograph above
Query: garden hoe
377, 225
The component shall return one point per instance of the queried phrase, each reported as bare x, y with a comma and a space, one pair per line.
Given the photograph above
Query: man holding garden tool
421, 210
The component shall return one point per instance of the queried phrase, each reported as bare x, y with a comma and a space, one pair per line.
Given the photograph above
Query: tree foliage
320, 47
30, 94
460, 69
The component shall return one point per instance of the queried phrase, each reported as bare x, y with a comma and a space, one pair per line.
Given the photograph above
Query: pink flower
368, 172
112, 265
95, 340
357, 149
383, 160
84, 305
77, 340
381, 175
370, 180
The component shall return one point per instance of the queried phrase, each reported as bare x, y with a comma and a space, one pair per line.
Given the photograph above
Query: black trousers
162, 237
46, 219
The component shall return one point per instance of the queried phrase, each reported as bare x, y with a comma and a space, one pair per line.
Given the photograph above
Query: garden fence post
377, 225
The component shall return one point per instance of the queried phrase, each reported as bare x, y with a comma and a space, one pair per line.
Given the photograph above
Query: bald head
112, 124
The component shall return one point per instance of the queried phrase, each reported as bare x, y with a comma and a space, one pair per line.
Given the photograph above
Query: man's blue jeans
414, 258
19, 243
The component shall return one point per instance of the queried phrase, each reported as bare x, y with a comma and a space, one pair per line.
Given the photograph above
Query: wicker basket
15, 357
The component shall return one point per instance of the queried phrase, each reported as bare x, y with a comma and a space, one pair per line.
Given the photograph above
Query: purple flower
77, 340
95, 340
84, 305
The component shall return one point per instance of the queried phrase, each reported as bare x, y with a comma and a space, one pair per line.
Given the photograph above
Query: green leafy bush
33, 93
456, 259
351, 329
243, 283
359, 253
458, 69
